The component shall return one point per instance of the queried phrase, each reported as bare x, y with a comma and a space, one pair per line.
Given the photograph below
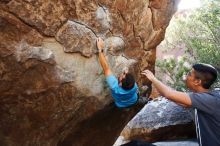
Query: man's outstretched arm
176, 96
102, 59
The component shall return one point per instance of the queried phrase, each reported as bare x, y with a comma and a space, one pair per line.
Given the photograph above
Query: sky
189, 4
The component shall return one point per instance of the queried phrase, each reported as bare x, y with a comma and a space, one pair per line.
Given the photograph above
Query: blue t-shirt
123, 98
207, 117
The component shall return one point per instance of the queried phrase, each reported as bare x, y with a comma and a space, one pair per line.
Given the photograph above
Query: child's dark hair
128, 82
206, 73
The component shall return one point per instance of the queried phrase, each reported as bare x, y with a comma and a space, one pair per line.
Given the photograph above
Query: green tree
197, 32
175, 70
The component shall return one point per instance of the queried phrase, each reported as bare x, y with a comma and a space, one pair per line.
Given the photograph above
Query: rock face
52, 89
159, 120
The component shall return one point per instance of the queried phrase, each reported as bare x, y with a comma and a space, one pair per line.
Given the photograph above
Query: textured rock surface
52, 89
159, 120
76, 37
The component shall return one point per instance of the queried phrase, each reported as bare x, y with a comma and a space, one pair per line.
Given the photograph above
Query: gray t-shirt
207, 107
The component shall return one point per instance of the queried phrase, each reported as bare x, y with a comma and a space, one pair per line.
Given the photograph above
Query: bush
197, 32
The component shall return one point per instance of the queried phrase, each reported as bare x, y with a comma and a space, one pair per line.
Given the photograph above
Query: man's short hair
206, 73
128, 82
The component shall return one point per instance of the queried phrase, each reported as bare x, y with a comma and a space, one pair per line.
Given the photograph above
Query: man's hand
176, 96
100, 44
102, 59
148, 74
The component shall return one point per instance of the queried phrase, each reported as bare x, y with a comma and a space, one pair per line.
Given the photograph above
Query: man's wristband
101, 51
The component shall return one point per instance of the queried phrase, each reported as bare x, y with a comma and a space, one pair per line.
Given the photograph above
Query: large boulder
52, 88
159, 120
